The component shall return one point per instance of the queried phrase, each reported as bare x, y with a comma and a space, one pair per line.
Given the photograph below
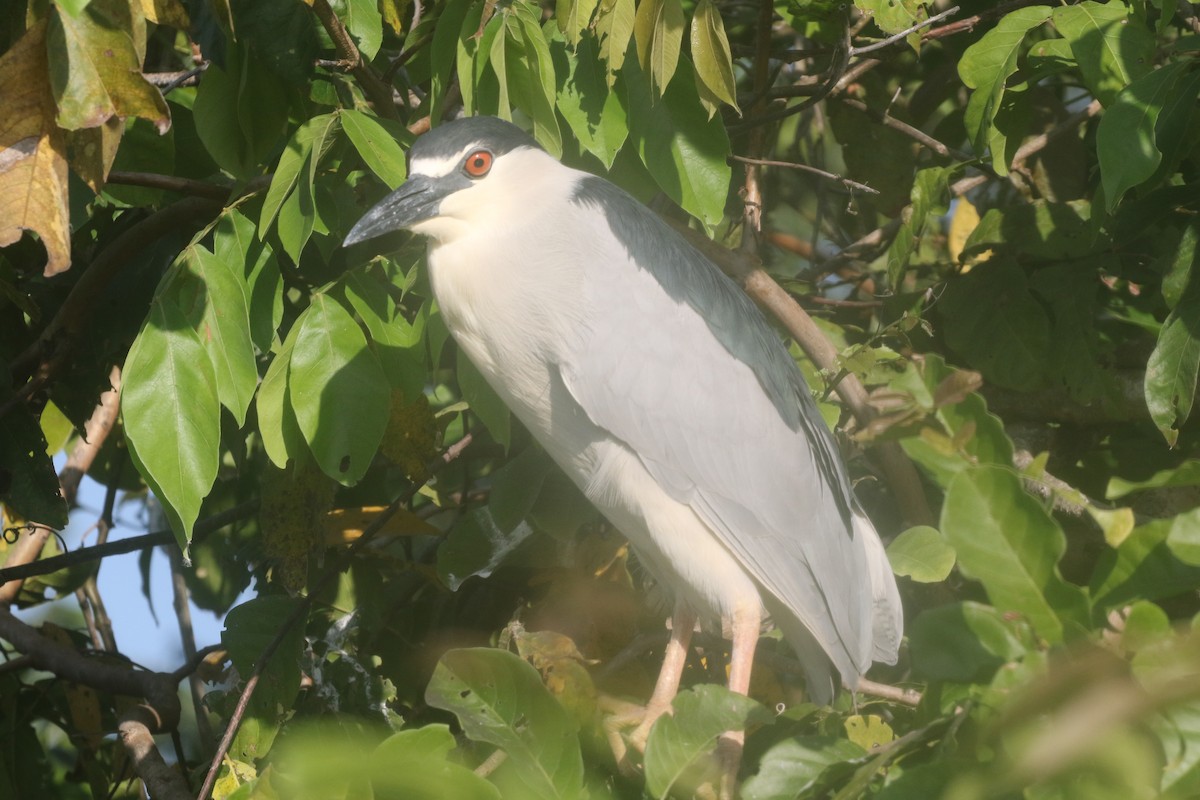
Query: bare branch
171, 183
896, 37
849, 184
202, 530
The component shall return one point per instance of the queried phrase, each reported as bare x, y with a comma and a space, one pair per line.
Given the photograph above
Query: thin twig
897, 694
915, 134
201, 531
849, 184
896, 37
301, 610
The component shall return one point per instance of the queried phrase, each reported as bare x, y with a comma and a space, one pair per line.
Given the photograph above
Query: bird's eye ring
478, 164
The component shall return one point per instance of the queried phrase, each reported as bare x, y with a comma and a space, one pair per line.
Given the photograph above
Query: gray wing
679, 365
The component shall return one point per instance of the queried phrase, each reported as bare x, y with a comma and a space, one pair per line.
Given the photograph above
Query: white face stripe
440, 167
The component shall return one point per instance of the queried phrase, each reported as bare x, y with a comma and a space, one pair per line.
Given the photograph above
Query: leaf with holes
499, 699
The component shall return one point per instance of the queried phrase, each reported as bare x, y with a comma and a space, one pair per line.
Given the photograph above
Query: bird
661, 391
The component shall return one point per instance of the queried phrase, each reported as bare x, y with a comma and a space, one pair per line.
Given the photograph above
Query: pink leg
745, 625
674, 659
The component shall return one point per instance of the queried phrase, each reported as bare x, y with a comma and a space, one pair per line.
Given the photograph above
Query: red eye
478, 163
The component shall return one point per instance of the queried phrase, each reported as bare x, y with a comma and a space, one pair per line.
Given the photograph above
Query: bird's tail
887, 614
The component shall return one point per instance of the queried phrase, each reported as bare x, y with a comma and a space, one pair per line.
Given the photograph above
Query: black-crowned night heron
658, 387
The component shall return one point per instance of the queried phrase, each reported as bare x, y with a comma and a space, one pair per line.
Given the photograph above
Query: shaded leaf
1008, 542
337, 390
680, 752
986, 65
964, 642
1111, 45
499, 699
683, 149
793, 766
476, 547
1125, 137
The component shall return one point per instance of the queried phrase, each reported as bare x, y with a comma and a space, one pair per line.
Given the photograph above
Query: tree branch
379, 93
849, 184
896, 37
171, 183
202, 530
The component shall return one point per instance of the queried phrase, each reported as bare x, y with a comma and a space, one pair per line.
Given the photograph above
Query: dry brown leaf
33, 163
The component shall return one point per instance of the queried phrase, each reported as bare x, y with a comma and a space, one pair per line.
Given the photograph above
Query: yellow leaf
393, 14
33, 164
868, 731
1117, 524
166, 12
962, 223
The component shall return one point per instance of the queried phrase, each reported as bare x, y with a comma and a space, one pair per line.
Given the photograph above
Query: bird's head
457, 173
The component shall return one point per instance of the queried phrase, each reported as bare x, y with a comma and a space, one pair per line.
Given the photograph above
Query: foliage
1020, 294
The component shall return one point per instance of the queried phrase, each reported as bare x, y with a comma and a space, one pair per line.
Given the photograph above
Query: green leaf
614, 29
517, 485
574, 16
484, 401
1184, 539
249, 629
338, 390
176, 452
365, 23
922, 554
991, 318
1144, 566
212, 294
893, 16
792, 767
1186, 474
710, 51
534, 84
658, 30
680, 145
30, 490
930, 194
96, 68
1111, 45
277, 425
381, 152
240, 113
1178, 727
292, 163
444, 49
963, 642
476, 547
413, 765
595, 114
499, 699
680, 752
234, 242
1007, 541
986, 65
1174, 366
1125, 137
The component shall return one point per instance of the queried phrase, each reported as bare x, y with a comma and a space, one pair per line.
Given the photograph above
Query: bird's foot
622, 717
